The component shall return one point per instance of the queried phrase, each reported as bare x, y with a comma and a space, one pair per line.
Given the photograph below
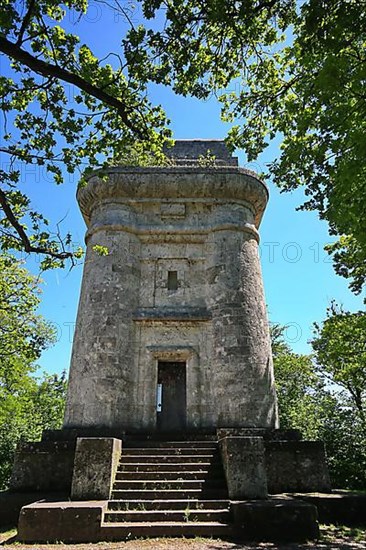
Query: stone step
118, 531
170, 444
188, 514
149, 494
163, 437
168, 458
167, 467
159, 485
212, 451
162, 504
160, 489
158, 475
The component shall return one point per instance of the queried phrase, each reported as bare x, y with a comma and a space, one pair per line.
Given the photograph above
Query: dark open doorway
171, 396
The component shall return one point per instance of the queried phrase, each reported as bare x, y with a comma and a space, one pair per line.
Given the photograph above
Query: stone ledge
168, 231
268, 434
172, 314
40, 447
71, 434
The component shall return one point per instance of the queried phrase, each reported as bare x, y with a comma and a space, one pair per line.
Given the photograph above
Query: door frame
176, 354
172, 407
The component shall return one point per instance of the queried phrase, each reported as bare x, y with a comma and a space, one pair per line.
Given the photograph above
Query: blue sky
298, 275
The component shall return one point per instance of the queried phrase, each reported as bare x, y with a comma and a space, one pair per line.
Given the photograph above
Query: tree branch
48, 69
24, 237
27, 157
25, 22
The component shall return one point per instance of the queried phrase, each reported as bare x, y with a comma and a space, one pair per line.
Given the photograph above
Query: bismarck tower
172, 331
171, 424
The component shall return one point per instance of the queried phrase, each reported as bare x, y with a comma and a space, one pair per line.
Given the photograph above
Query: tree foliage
63, 107
36, 405
27, 405
298, 72
318, 409
23, 333
298, 387
340, 352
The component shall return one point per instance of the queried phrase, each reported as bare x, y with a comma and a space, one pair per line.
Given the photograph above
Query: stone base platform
281, 517
278, 518
213, 485
338, 507
277, 461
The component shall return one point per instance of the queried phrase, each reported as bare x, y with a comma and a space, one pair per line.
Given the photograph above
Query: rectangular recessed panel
172, 210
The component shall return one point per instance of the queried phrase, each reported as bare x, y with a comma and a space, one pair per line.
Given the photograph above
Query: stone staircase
168, 488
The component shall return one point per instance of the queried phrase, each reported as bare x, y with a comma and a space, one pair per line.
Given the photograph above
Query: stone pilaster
102, 374
256, 338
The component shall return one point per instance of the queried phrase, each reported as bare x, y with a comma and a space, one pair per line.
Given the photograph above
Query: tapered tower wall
201, 225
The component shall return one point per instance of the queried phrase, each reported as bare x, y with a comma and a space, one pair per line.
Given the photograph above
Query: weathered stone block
244, 466
190, 150
275, 519
340, 507
296, 466
95, 465
43, 466
66, 521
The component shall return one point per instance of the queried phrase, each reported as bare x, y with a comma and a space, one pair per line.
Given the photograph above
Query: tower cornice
174, 183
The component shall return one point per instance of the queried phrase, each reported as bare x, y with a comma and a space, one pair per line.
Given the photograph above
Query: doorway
171, 403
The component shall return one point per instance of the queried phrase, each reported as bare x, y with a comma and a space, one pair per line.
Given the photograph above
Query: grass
332, 537
7, 533
333, 533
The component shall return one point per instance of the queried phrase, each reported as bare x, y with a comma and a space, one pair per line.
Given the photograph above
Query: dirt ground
332, 538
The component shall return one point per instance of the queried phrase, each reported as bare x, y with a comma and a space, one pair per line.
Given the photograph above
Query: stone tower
172, 332
171, 404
